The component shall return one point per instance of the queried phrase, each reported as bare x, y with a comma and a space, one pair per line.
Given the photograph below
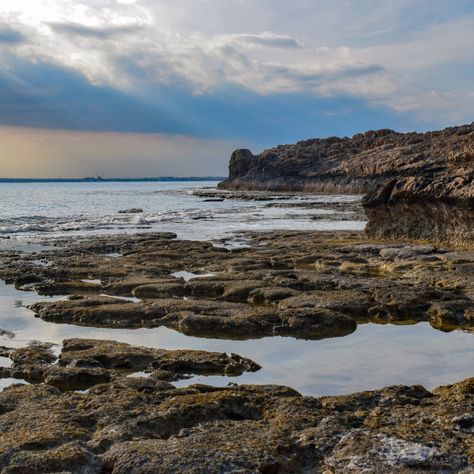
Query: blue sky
159, 76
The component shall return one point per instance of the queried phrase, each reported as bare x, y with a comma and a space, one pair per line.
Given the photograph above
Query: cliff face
439, 209
356, 164
419, 185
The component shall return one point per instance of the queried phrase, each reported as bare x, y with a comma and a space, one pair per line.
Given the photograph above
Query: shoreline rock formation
102, 406
439, 208
419, 185
310, 285
134, 423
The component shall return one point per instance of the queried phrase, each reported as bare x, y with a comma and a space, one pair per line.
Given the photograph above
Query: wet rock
117, 355
406, 252
69, 457
126, 286
270, 295
7, 334
84, 363
326, 272
403, 302
67, 287
159, 290
33, 353
354, 303
205, 288
133, 210
451, 313
309, 285
197, 317
240, 291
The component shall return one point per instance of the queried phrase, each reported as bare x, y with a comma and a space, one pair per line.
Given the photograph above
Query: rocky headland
418, 185
102, 406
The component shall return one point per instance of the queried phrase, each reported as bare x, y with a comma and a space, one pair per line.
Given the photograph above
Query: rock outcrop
310, 285
419, 185
102, 406
145, 425
84, 363
438, 208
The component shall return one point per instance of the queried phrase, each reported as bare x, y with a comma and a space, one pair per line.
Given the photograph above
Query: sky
139, 88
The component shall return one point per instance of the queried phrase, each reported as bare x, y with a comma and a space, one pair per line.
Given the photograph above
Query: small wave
41, 224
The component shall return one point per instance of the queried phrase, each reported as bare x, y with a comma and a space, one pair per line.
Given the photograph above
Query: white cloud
367, 50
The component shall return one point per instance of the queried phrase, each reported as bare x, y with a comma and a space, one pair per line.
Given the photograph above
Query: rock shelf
108, 407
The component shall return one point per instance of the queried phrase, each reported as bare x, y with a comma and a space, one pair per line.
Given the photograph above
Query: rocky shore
418, 185
104, 406
302, 284
126, 424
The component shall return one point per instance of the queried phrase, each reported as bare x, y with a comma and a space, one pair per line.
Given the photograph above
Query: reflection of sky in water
372, 357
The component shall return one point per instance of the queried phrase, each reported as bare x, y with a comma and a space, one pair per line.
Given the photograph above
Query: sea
374, 356
32, 211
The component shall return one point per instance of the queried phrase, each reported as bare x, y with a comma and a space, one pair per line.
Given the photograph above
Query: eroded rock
84, 363
144, 425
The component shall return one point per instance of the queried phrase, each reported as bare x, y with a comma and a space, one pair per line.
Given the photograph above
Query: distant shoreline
110, 180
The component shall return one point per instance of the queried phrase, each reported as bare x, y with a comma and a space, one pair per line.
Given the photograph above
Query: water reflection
372, 357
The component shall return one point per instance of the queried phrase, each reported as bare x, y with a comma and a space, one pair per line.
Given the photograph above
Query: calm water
372, 357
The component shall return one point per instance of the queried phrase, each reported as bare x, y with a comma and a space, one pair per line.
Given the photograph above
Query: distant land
100, 179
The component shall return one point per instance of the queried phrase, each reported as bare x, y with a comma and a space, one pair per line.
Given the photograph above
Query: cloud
44, 95
76, 29
154, 87
10, 36
165, 66
41, 94
265, 39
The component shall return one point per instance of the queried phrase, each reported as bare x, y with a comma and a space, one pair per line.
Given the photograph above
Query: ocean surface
32, 211
372, 357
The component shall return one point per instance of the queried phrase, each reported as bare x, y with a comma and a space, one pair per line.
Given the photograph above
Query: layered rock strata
438, 208
108, 407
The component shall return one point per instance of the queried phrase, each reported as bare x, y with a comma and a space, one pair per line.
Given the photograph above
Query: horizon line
101, 179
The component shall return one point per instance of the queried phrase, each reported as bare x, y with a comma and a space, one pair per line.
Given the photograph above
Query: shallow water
32, 211
372, 357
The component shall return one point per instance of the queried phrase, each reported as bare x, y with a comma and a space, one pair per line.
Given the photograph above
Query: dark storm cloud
42, 95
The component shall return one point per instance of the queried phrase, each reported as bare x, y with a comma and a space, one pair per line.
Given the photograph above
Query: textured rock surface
136, 424
84, 363
285, 282
311, 285
354, 164
420, 185
438, 207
